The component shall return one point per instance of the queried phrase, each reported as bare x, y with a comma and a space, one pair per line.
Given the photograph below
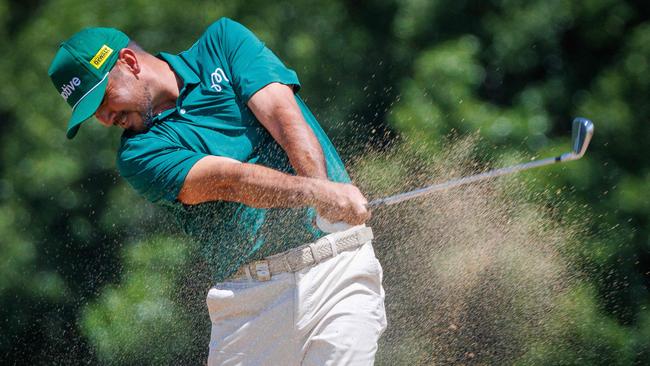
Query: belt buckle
262, 270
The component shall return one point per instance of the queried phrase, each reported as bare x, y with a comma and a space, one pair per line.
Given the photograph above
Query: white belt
306, 255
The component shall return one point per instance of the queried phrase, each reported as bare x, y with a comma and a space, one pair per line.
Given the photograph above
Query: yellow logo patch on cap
101, 56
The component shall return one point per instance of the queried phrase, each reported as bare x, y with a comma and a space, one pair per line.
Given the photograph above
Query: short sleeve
252, 64
156, 169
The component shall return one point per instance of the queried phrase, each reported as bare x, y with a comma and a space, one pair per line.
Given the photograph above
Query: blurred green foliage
138, 322
583, 336
90, 273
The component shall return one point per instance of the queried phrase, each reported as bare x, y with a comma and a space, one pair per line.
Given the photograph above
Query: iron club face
581, 133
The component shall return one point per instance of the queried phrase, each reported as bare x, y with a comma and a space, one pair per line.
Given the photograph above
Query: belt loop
248, 272
332, 243
285, 259
313, 253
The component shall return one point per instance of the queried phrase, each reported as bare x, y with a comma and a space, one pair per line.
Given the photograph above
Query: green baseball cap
79, 70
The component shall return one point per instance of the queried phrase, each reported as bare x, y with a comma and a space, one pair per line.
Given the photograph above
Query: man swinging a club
219, 134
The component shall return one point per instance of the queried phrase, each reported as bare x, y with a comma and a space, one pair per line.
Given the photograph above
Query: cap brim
87, 107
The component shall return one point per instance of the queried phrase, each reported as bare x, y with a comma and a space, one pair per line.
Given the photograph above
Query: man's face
127, 102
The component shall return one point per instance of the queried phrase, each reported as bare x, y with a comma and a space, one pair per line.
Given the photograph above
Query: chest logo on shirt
216, 78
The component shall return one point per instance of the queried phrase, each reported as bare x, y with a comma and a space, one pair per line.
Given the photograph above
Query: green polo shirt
220, 73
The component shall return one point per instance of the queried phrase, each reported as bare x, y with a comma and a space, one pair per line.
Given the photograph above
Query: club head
581, 133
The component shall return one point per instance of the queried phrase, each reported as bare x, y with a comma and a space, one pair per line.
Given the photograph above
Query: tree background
92, 274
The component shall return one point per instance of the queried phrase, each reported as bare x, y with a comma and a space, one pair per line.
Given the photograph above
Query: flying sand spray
581, 133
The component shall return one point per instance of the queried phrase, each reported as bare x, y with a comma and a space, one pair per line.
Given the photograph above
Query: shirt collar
180, 67
184, 72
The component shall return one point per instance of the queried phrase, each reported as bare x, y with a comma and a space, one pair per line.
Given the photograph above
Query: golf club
581, 132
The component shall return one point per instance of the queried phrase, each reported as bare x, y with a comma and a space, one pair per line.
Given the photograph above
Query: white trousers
328, 314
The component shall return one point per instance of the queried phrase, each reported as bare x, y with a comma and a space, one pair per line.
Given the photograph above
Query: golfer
219, 134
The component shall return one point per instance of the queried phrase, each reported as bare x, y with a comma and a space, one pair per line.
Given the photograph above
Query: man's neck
167, 85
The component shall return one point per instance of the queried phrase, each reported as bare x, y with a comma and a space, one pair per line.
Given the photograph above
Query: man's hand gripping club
341, 202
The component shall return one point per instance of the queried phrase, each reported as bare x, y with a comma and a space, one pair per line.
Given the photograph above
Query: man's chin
137, 128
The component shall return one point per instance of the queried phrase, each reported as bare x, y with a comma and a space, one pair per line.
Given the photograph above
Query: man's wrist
312, 188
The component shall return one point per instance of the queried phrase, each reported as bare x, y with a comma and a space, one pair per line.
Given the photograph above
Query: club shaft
391, 200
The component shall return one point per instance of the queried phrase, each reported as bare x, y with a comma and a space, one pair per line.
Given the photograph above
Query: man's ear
130, 60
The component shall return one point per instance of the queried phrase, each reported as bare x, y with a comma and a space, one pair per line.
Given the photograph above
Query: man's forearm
215, 179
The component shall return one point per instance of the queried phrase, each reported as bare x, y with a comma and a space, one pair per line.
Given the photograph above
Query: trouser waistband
306, 255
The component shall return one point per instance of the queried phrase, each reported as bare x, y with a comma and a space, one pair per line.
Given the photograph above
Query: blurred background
549, 267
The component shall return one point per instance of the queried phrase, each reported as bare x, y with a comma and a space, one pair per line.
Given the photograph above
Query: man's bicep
209, 179
275, 107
